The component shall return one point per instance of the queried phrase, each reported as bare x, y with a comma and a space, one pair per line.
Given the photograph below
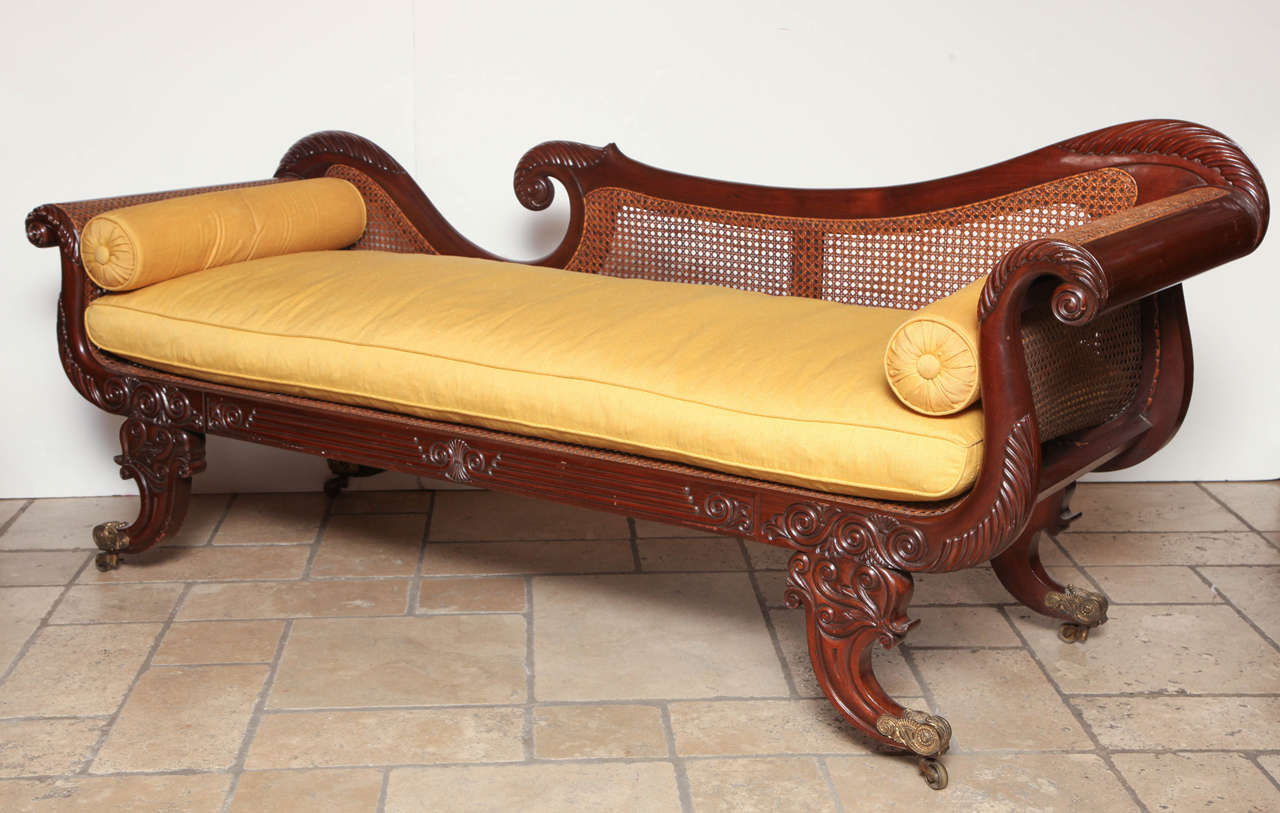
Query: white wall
822, 94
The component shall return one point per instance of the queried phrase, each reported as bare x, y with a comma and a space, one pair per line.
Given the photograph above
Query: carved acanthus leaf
338, 142
533, 175
1083, 293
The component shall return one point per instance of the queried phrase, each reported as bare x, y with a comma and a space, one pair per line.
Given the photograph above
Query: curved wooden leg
1022, 573
162, 459
848, 607
342, 474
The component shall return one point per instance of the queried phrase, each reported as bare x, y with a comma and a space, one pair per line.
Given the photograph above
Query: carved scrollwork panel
533, 174
156, 455
461, 462
1083, 293
724, 512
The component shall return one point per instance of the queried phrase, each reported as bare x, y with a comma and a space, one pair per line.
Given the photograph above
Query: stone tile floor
469, 651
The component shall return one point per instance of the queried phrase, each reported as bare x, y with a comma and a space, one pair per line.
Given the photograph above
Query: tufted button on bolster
102, 255
928, 366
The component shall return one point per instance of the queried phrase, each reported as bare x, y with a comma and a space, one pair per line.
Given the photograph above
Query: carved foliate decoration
533, 174
724, 512
1082, 606
461, 461
155, 455
224, 415
848, 598
1083, 293
924, 733
1012, 505
337, 142
1190, 142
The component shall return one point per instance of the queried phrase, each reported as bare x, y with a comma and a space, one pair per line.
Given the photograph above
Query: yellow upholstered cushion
139, 245
931, 361
784, 389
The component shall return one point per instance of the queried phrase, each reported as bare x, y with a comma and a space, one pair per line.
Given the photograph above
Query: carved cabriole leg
162, 459
849, 606
1021, 572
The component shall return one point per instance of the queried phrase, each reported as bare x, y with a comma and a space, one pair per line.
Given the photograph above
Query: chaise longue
884, 381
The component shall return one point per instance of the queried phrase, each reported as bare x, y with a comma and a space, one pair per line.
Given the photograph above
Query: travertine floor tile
432, 660
1255, 590
295, 599
40, 567
183, 718
645, 787
21, 609
1198, 782
205, 564
977, 585
998, 699
1152, 585
773, 586
76, 671
497, 558
890, 666
746, 727
1183, 723
40, 747
64, 523
1271, 764
363, 546
1195, 649
768, 557
499, 594
649, 528
463, 516
390, 737
191, 793
1149, 507
960, 627
1258, 503
991, 783
271, 519
773, 785
652, 636
324, 791
204, 512
584, 732
197, 642
1228, 548
690, 554
383, 502
97, 603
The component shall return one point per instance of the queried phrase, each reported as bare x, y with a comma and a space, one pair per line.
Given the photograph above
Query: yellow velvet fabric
931, 361
140, 245
785, 389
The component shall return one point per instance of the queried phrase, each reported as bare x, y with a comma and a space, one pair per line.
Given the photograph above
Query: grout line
635, 545
317, 540
228, 500
1227, 601
1258, 764
1226, 507
1099, 748
774, 638
43, 622
255, 716
677, 762
382, 794
831, 785
8, 523
415, 586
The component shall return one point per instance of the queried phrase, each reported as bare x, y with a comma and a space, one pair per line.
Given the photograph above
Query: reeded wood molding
1083, 293
1187, 141
1011, 507
536, 168
341, 143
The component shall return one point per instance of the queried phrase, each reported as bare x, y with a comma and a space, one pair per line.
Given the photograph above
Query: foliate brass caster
1073, 633
926, 734
106, 561
1083, 607
934, 772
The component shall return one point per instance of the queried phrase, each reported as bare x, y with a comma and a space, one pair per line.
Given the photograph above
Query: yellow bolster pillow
932, 358
139, 245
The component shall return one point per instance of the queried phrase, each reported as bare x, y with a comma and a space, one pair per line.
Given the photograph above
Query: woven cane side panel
386, 227
1082, 376
902, 262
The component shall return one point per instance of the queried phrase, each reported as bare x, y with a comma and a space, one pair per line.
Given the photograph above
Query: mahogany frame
853, 558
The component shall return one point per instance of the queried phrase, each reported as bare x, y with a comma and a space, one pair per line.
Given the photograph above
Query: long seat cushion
784, 389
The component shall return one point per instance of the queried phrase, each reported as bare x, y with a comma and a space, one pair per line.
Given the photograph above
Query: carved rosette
926, 734
1082, 606
1083, 293
155, 455
536, 168
461, 462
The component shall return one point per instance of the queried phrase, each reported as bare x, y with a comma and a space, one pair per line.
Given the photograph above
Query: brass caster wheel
1073, 633
106, 561
934, 772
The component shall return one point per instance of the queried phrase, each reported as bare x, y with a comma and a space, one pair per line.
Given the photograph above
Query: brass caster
1073, 633
106, 561
934, 772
